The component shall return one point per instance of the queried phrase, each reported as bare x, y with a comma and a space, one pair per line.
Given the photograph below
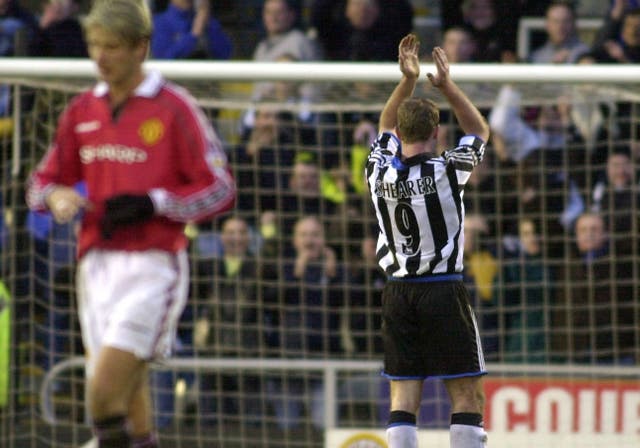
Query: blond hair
417, 119
128, 19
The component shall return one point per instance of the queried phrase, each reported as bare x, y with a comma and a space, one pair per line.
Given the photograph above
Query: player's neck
413, 149
119, 92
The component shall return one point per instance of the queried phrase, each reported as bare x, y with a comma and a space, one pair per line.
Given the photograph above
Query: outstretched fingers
408, 56
409, 44
440, 58
442, 67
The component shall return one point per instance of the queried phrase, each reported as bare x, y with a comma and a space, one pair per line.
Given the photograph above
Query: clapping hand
442, 65
408, 56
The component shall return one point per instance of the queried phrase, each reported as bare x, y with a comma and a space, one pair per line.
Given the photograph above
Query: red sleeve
60, 165
208, 188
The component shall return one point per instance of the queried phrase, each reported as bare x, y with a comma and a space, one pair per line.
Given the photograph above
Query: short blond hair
128, 19
417, 119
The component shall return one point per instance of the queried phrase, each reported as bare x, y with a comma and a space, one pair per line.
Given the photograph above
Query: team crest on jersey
151, 131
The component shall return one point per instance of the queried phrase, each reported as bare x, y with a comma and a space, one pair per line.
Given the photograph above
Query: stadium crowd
552, 242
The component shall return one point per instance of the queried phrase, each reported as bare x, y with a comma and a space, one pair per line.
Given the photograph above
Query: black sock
401, 417
112, 432
467, 418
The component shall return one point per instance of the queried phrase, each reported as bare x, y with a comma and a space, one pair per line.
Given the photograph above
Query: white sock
467, 436
402, 436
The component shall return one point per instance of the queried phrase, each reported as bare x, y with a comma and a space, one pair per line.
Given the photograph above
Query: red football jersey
158, 142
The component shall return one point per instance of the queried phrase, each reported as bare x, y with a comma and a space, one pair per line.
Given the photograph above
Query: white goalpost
561, 337
34, 68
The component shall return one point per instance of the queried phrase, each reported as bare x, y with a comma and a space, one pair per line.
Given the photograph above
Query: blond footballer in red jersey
151, 163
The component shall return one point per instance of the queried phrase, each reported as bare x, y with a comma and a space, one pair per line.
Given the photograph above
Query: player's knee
104, 399
467, 396
406, 396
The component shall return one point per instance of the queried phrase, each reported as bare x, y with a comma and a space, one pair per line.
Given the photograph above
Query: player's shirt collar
148, 88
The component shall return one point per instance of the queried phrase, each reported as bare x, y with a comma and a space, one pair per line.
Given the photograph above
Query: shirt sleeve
208, 188
387, 143
468, 153
383, 149
60, 165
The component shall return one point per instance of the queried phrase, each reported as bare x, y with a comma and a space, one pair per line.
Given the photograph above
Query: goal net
267, 357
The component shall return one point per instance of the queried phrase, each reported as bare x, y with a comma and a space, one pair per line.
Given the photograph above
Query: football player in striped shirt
151, 163
429, 328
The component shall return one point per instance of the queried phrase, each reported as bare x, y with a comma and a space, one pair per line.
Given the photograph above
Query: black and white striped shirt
418, 204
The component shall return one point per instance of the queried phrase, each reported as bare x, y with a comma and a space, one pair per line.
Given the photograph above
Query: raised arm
410, 68
469, 117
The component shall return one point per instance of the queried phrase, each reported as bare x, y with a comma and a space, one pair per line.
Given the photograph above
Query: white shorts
131, 301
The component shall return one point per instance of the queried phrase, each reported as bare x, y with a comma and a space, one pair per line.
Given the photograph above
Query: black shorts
429, 330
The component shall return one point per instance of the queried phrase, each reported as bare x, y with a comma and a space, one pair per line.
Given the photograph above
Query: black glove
123, 210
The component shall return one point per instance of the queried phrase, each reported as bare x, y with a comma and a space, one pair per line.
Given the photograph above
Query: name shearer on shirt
405, 188
112, 153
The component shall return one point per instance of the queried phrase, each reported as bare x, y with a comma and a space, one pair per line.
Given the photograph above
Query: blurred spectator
563, 45
285, 93
59, 33
313, 292
262, 162
460, 45
510, 12
593, 116
549, 193
494, 24
618, 41
17, 26
355, 128
311, 191
366, 280
229, 321
480, 276
363, 134
522, 9
494, 41
595, 316
186, 30
490, 191
551, 143
284, 42
361, 30
283, 37
616, 197
528, 292
312, 300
